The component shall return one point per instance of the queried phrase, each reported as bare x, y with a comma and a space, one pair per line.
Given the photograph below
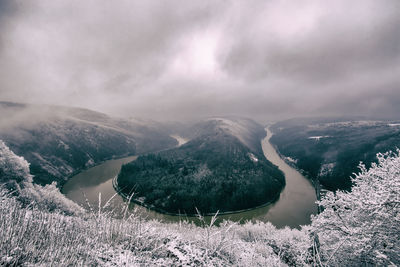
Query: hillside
330, 150
222, 168
59, 141
247, 131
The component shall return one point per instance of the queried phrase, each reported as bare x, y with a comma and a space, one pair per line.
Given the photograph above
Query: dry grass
29, 236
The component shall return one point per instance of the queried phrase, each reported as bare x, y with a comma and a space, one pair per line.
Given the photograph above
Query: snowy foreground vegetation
39, 226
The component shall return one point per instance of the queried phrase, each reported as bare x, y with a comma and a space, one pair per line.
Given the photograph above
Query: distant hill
330, 149
58, 141
247, 131
222, 168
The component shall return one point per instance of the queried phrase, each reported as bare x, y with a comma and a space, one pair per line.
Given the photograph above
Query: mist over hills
220, 167
58, 141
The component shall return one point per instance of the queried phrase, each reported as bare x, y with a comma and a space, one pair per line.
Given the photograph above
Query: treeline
208, 173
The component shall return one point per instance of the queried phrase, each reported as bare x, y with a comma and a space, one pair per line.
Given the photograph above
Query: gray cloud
184, 59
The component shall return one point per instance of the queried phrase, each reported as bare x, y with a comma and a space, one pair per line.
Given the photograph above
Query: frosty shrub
363, 226
15, 176
13, 169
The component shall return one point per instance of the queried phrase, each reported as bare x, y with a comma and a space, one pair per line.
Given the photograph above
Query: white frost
180, 139
291, 159
317, 138
253, 157
326, 169
241, 129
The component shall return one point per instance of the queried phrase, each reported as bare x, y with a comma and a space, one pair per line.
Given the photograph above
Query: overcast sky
182, 59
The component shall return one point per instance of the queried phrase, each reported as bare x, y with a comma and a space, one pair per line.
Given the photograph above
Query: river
293, 208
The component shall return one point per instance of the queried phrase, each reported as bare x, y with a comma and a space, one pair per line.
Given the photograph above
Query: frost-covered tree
13, 169
15, 176
363, 226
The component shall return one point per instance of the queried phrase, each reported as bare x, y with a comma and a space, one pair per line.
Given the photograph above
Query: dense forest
213, 172
330, 150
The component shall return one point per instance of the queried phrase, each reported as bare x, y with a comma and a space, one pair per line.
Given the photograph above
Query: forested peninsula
222, 168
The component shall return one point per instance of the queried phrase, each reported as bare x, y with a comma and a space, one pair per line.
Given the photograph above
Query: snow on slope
58, 141
246, 130
181, 140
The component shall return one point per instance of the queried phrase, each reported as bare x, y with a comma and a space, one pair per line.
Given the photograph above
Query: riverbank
141, 203
271, 198
319, 189
179, 141
78, 171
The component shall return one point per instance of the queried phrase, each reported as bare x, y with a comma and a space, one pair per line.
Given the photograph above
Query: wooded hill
222, 168
330, 149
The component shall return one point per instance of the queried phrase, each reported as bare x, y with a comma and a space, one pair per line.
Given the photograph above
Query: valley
293, 208
274, 202
215, 164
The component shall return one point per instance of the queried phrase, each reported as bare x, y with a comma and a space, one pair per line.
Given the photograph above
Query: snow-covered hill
330, 149
247, 131
59, 141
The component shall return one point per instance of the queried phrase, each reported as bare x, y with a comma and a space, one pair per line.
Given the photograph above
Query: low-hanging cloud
184, 59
